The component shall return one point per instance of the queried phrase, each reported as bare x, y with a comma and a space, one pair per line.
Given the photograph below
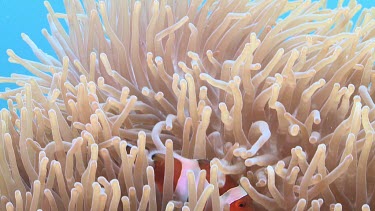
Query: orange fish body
229, 192
241, 204
159, 168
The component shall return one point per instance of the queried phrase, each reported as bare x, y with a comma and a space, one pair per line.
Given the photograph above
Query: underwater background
29, 16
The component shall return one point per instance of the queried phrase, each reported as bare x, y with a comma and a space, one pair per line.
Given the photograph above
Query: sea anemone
276, 94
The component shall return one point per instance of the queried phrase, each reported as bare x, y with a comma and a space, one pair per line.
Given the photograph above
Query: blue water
22, 16
29, 16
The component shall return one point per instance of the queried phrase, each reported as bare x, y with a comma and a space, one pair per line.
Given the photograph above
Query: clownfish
230, 193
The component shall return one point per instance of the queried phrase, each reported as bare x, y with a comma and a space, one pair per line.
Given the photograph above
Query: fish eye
241, 204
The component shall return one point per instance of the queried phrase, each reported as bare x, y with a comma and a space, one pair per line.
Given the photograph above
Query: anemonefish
230, 193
